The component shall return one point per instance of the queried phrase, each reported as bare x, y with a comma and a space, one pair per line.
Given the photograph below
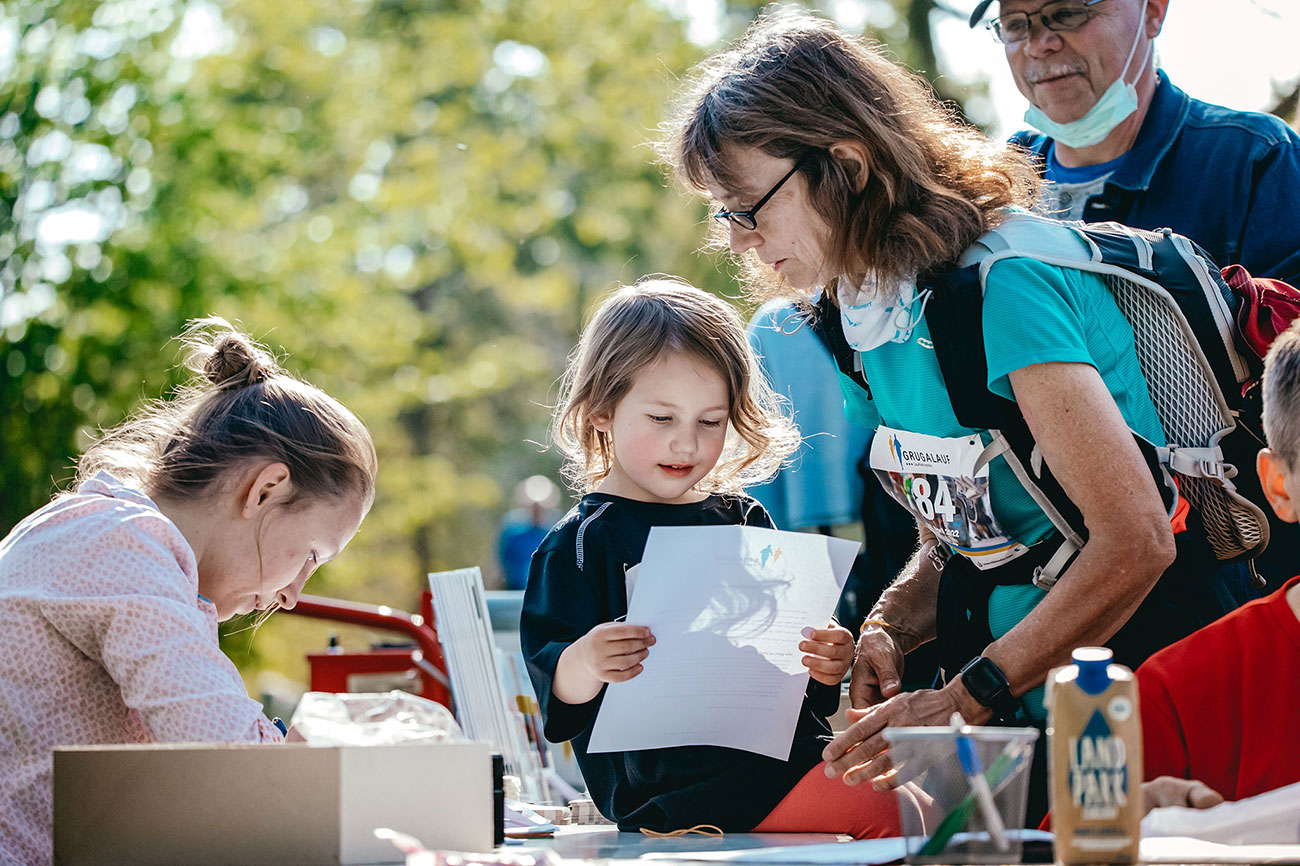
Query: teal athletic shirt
1034, 313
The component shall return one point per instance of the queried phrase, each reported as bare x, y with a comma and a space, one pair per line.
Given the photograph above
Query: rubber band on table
701, 829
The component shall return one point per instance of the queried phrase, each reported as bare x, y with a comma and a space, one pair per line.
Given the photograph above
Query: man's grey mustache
1034, 76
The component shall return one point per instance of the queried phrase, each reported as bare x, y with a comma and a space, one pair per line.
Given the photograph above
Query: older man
1120, 142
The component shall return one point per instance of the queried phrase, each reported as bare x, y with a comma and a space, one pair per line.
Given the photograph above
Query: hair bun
234, 363
226, 357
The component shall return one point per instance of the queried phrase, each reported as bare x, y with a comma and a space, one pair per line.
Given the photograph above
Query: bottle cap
1092, 662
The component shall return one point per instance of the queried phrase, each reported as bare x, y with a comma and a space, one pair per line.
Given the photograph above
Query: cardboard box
227, 804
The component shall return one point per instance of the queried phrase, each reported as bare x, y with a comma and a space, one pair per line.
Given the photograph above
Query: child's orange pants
821, 805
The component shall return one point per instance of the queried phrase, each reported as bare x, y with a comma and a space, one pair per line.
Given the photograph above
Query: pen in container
280, 724
973, 768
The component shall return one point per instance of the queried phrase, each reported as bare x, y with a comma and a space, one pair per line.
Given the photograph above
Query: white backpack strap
999, 445
1197, 462
1030, 236
988, 244
1072, 543
1046, 575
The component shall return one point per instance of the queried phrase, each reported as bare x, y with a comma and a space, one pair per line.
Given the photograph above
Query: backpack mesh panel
1175, 371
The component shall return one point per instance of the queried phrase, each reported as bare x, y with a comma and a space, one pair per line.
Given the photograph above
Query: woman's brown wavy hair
795, 85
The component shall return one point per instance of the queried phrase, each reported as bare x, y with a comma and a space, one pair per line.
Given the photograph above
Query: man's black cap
980, 8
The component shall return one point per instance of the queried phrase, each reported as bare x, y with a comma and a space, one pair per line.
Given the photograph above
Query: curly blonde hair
635, 327
794, 86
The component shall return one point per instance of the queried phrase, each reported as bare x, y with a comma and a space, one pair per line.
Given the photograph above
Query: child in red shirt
1220, 705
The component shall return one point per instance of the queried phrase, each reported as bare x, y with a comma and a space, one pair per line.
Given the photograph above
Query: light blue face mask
873, 315
1116, 104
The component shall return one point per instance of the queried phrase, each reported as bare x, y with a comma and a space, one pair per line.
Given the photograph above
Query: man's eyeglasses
1062, 15
746, 219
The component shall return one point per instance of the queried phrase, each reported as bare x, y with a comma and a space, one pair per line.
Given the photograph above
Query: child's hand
829, 653
611, 652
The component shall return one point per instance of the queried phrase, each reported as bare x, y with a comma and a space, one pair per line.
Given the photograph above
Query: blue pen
973, 767
279, 724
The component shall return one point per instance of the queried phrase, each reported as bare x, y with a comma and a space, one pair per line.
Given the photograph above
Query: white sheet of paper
1181, 849
1268, 819
727, 605
862, 852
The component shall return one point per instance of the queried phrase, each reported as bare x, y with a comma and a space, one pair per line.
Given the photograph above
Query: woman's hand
828, 653
1171, 791
877, 668
860, 752
902, 620
611, 652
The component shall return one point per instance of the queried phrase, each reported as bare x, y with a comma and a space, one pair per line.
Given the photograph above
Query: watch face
988, 685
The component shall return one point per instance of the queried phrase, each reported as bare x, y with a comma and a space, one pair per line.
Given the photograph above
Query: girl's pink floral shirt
103, 639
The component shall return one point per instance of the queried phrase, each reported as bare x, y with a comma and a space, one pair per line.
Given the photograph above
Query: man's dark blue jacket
1229, 180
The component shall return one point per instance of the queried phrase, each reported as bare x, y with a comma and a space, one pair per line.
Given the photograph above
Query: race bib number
935, 479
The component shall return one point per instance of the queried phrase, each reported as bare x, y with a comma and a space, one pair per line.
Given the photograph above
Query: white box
266, 805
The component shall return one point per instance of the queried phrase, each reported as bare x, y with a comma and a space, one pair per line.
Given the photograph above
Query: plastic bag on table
372, 719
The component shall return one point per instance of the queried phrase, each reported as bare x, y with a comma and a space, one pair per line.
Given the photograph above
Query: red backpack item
1266, 308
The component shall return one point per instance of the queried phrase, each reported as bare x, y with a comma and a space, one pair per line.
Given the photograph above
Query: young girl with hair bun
664, 417
218, 502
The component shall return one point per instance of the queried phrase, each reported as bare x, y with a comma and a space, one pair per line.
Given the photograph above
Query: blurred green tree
418, 199
907, 29
98, 269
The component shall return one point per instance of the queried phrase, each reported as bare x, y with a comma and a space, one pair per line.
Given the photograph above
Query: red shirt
1222, 705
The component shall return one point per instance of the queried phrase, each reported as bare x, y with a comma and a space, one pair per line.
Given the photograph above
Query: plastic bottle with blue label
1094, 738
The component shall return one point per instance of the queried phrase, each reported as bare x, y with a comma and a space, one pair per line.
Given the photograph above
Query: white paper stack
465, 631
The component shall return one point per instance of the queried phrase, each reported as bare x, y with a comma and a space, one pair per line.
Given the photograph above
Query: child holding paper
664, 417
219, 502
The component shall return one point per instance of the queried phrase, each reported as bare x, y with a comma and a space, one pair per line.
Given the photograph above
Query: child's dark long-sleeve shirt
576, 583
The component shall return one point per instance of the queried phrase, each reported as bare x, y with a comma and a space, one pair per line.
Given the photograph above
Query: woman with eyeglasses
838, 177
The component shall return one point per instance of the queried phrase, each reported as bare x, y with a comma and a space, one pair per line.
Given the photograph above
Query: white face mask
1116, 104
873, 316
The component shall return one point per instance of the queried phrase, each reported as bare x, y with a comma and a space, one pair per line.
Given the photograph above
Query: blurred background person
819, 489
822, 489
524, 526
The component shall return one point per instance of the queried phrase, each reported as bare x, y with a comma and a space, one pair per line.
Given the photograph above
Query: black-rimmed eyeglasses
746, 219
1061, 15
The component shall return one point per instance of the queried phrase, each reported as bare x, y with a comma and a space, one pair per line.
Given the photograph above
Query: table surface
605, 842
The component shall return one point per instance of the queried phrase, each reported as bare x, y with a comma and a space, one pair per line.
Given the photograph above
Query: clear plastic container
963, 791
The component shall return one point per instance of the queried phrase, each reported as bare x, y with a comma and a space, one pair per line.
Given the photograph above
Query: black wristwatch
988, 685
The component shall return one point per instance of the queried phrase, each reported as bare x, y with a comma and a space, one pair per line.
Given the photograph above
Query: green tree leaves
418, 199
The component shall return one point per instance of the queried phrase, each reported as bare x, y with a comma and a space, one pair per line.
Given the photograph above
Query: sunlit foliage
417, 199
